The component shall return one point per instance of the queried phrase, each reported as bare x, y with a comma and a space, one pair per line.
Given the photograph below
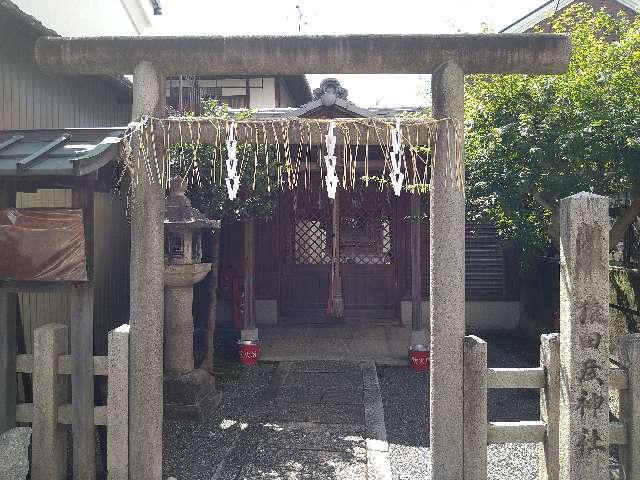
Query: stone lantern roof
178, 210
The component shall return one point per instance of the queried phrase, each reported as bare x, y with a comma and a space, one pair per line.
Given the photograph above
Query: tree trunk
621, 225
554, 228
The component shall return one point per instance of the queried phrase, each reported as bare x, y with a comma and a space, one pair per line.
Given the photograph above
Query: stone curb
378, 464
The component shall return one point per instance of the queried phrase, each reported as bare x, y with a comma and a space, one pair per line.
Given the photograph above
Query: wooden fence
479, 432
50, 414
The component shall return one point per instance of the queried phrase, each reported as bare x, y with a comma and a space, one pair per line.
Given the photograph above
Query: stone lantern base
190, 396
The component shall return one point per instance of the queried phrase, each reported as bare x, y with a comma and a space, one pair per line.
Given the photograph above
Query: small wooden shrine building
295, 250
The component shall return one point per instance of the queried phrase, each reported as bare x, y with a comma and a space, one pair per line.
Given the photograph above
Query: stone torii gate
447, 57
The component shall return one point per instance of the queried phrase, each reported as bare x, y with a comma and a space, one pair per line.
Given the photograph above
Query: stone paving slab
323, 366
343, 396
352, 394
307, 465
326, 379
320, 413
314, 436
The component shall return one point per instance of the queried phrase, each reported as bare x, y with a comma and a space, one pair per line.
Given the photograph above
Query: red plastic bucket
249, 352
420, 356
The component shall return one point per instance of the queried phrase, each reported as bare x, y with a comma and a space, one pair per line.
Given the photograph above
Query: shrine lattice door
367, 255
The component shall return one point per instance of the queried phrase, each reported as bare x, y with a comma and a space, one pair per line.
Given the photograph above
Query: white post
548, 451
630, 406
584, 337
475, 408
118, 405
49, 439
447, 295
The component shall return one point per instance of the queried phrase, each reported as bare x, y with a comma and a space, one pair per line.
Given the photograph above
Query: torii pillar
446, 286
447, 57
146, 318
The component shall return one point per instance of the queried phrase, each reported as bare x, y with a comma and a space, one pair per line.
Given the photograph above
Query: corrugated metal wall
111, 235
30, 99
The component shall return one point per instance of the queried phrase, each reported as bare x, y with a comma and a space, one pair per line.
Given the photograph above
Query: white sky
246, 17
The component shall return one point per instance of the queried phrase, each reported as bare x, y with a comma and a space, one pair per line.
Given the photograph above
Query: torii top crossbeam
298, 55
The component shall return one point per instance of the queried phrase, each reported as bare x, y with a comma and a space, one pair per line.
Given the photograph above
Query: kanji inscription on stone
584, 337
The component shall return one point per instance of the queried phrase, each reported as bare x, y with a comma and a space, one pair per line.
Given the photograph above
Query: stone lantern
188, 393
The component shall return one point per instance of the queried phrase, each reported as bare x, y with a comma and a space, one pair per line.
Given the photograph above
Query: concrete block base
191, 397
499, 315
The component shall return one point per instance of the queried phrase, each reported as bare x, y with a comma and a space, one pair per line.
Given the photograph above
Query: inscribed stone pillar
447, 221
147, 294
584, 337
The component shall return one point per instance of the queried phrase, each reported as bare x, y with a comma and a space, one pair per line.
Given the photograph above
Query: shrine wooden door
367, 255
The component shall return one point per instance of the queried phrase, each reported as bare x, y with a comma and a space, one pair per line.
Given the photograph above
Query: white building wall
264, 97
263, 92
91, 17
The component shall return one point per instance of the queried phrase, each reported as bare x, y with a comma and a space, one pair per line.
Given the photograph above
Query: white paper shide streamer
330, 162
233, 179
396, 154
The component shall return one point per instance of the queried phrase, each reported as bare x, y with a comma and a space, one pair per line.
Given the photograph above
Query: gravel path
194, 451
405, 396
311, 420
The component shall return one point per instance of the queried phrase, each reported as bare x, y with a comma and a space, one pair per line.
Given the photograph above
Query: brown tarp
42, 244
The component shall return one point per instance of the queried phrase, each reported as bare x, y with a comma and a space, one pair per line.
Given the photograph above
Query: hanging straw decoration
282, 149
331, 178
233, 179
396, 155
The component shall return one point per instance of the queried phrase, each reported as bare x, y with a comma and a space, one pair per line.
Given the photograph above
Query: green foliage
207, 188
531, 140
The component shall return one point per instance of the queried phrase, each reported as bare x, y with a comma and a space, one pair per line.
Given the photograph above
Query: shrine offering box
42, 244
